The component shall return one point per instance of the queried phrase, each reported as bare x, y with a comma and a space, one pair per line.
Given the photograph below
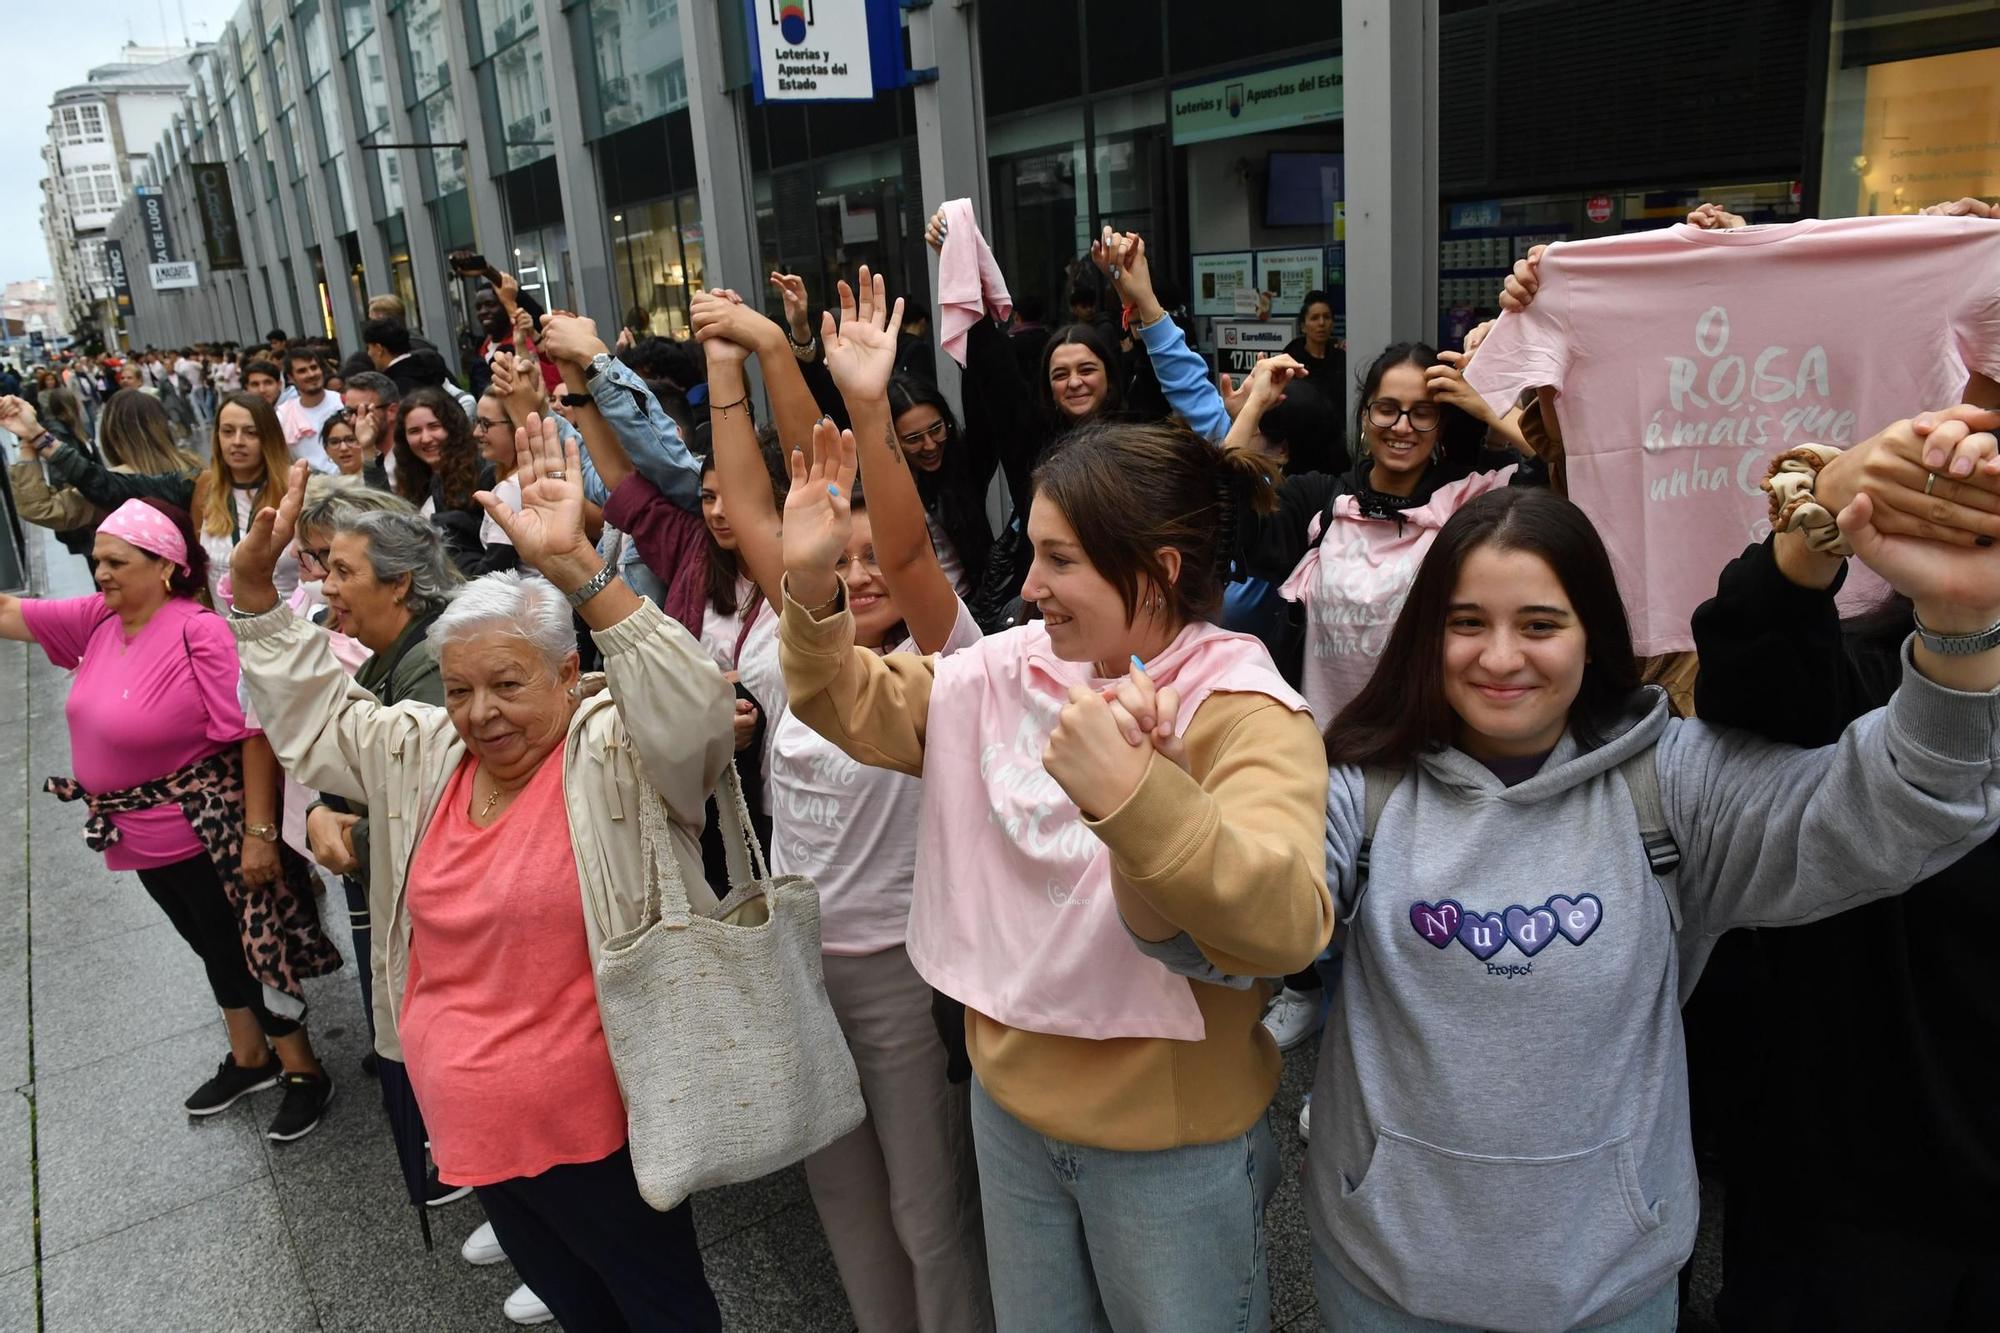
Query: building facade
617, 156
100, 133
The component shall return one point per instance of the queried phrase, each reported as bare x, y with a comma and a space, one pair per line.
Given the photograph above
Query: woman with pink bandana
184, 792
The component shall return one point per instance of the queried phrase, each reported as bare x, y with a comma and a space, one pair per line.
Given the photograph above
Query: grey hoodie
1500, 1119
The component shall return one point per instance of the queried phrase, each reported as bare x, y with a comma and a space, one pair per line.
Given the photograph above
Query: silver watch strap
1959, 645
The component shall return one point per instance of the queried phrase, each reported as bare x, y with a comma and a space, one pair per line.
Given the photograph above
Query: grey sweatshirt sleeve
1774, 835
1346, 826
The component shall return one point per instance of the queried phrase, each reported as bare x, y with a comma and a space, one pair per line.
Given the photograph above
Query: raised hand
18, 415
819, 514
547, 530
1967, 207
729, 330
934, 230
1956, 589
1122, 255
1936, 477
1445, 383
1518, 292
861, 349
791, 289
1269, 378
570, 339
1714, 217
256, 554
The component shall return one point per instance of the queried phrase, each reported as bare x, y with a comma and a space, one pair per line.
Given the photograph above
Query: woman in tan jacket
506, 851
1110, 857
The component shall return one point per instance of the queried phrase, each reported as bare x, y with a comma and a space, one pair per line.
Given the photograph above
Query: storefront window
657, 251
1909, 121
541, 265
439, 119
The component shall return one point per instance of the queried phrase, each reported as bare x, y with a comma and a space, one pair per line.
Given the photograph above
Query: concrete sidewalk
118, 1212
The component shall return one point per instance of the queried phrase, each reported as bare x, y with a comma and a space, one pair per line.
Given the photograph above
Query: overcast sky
51, 46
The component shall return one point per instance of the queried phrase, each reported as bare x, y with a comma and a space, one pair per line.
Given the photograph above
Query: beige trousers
899, 1196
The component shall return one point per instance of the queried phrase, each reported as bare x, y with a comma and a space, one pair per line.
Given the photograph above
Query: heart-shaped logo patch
1438, 924
1530, 928
1483, 935
1577, 917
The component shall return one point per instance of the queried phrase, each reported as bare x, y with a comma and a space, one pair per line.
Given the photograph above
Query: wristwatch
262, 832
598, 583
575, 399
1959, 645
601, 363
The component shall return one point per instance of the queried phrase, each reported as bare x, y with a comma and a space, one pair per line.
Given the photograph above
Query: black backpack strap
1378, 784
1642, 780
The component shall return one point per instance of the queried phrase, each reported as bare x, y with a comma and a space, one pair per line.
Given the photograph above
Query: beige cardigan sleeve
329, 733
58, 509
677, 709
873, 707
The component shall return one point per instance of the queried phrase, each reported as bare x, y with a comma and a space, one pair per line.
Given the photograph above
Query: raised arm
1182, 374
69, 466
740, 474
1773, 835
328, 732
624, 427
873, 707
676, 707
805, 348
13, 625
861, 355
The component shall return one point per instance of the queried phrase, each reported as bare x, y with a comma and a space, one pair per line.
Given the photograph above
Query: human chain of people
1655, 634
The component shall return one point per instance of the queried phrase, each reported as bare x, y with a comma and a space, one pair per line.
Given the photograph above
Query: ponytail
1131, 490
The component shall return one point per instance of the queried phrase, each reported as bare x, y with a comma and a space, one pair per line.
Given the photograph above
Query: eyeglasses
1384, 413
483, 424
868, 562
340, 442
315, 558
936, 433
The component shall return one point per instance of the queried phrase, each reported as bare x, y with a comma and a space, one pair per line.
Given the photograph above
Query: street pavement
119, 1212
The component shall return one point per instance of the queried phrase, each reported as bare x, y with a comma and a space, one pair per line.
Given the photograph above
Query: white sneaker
482, 1247
524, 1307
1305, 1118
1294, 1016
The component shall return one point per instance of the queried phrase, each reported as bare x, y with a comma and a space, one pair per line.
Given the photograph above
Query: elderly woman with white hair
506, 851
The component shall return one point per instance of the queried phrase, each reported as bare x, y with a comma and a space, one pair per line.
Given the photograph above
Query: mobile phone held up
468, 262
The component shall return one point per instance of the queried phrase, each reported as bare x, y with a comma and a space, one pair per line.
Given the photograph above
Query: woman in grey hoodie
1500, 1135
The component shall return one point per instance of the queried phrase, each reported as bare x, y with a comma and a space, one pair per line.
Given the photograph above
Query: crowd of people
1091, 798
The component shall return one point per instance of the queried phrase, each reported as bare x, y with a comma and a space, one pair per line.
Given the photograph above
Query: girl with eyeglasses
339, 437
952, 472
1347, 545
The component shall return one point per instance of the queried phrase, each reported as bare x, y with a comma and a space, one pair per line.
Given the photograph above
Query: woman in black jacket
1864, 1152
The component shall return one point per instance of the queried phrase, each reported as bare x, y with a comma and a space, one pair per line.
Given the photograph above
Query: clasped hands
1104, 741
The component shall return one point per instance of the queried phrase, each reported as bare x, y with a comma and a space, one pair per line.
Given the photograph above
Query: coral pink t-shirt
143, 708
1686, 358
499, 1023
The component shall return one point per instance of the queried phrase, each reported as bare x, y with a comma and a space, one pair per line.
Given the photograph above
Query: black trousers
598, 1256
364, 941
191, 895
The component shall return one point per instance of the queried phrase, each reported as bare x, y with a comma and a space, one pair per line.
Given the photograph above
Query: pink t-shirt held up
1686, 359
499, 1022
142, 708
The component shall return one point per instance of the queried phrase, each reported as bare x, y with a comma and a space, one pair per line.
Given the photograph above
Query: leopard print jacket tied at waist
278, 922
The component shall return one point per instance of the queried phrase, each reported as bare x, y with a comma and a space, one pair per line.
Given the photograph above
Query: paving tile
721, 1213
219, 1263
17, 1302
117, 1149
123, 994
1286, 1238
17, 1184
778, 1275
13, 1019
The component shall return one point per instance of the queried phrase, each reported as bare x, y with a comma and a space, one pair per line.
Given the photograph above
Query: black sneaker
306, 1096
232, 1081
371, 1066
437, 1194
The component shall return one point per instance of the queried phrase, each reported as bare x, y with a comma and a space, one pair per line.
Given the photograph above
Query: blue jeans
1343, 1308
1079, 1238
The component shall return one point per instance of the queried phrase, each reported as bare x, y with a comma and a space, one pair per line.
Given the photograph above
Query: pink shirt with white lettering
1686, 359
